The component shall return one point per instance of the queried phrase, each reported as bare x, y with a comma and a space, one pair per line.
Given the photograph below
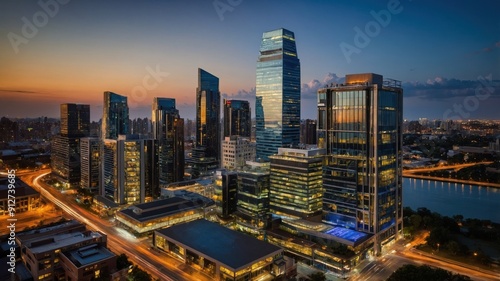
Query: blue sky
446, 53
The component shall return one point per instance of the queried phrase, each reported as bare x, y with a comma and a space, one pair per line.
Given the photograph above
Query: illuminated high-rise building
128, 172
89, 163
296, 184
208, 114
359, 125
237, 118
168, 131
226, 192
277, 107
115, 117
65, 157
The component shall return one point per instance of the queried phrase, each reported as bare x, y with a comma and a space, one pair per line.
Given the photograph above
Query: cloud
490, 48
309, 90
21, 91
440, 88
241, 95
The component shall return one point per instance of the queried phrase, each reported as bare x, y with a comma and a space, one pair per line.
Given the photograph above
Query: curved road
158, 265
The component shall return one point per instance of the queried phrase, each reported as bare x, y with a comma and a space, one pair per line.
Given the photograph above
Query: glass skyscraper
208, 114
168, 131
277, 108
115, 116
237, 118
65, 158
359, 124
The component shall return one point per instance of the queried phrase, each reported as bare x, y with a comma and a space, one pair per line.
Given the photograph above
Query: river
450, 199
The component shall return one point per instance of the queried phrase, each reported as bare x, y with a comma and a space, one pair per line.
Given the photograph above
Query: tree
122, 262
415, 221
318, 276
438, 235
411, 272
453, 247
138, 274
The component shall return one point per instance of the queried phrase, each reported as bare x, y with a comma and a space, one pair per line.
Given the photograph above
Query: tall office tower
115, 116
236, 151
237, 118
359, 124
89, 163
168, 131
208, 114
253, 196
277, 107
226, 192
296, 184
127, 169
75, 119
308, 131
65, 158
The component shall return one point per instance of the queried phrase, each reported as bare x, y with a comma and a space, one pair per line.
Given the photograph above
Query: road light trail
113, 241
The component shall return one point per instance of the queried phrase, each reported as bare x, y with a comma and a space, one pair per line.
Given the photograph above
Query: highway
119, 241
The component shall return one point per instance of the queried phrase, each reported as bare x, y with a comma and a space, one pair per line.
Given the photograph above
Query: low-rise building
146, 217
219, 252
26, 198
47, 252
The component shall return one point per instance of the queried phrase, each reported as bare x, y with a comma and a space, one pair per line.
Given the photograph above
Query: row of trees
444, 231
411, 272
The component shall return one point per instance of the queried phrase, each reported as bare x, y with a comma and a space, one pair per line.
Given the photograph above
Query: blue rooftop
347, 234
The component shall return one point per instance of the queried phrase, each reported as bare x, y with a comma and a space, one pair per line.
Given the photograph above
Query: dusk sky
446, 53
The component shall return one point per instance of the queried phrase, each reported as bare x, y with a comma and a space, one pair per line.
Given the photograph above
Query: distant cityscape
228, 197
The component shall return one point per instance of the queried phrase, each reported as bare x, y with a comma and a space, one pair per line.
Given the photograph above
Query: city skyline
72, 52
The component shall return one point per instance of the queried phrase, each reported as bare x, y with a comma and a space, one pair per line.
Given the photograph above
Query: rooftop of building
56, 228
340, 234
21, 188
88, 255
220, 243
58, 241
163, 207
366, 79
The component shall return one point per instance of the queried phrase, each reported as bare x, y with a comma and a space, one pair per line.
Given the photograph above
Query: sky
446, 53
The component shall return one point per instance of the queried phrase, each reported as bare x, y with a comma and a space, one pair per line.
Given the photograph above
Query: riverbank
478, 183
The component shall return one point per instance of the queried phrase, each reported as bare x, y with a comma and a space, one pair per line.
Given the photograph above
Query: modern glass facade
277, 108
226, 192
295, 183
89, 162
237, 118
65, 158
359, 124
115, 117
208, 114
253, 194
127, 170
168, 130
75, 119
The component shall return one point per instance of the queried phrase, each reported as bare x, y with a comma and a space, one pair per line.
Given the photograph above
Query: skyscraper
208, 114
277, 107
89, 162
168, 131
237, 118
115, 117
65, 158
359, 124
127, 169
